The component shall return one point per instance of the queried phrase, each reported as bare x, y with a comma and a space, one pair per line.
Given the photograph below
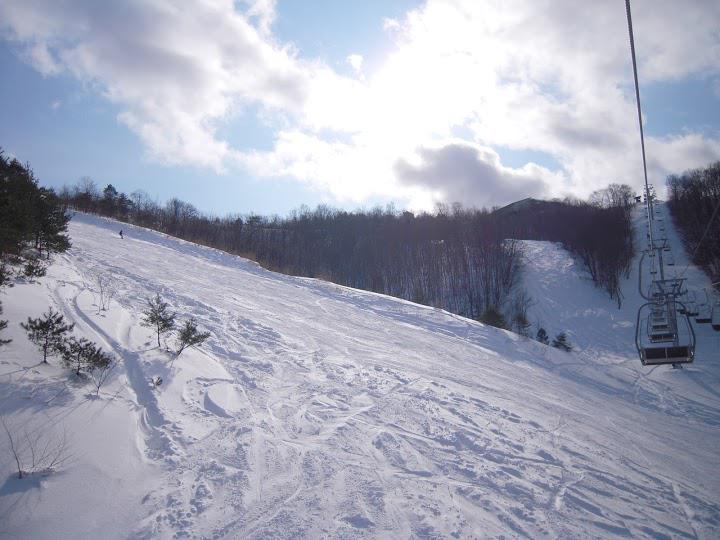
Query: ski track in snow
316, 410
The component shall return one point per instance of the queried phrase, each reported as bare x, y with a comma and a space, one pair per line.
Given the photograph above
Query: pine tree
3, 326
190, 336
493, 317
48, 332
561, 342
542, 336
158, 316
82, 354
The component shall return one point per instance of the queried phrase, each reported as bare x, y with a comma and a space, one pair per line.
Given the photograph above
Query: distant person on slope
121, 235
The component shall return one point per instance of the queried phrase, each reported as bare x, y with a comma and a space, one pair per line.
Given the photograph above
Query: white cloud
356, 62
390, 24
176, 71
514, 74
459, 172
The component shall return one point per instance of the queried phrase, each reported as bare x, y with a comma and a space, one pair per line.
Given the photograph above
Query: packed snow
320, 411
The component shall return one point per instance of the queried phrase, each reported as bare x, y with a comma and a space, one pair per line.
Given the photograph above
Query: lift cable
642, 134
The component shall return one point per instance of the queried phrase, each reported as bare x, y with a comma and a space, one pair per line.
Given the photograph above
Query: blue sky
264, 106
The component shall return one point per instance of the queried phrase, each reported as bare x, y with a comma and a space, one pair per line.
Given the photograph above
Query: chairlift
715, 313
662, 335
690, 304
715, 316
704, 311
663, 331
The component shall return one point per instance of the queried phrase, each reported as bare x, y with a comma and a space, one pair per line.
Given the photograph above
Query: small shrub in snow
158, 316
48, 332
101, 373
106, 290
542, 336
36, 450
3, 326
521, 324
34, 268
493, 317
83, 355
190, 336
561, 342
5, 274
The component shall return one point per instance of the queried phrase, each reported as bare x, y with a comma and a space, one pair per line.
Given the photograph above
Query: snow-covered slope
321, 411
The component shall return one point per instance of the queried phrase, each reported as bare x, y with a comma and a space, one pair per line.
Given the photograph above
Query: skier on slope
121, 234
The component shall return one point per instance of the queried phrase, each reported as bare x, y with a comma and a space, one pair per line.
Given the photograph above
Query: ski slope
320, 411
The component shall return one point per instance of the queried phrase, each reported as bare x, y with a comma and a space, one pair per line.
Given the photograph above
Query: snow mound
225, 399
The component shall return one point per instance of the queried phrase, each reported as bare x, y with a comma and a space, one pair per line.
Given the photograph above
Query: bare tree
106, 291
36, 451
101, 373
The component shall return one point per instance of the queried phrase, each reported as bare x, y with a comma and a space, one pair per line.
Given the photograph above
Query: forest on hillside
694, 201
466, 261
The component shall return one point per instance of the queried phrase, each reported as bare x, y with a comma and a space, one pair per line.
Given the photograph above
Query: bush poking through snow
83, 355
5, 274
35, 450
493, 317
34, 268
101, 373
106, 290
158, 316
542, 336
3, 326
190, 336
561, 342
48, 332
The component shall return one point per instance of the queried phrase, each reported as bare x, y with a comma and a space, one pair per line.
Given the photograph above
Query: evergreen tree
48, 332
158, 316
3, 326
5, 274
34, 268
83, 355
542, 336
561, 342
30, 216
493, 317
190, 336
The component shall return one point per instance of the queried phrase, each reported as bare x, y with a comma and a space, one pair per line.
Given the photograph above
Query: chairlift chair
705, 309
663, 337
690, 304
715, 316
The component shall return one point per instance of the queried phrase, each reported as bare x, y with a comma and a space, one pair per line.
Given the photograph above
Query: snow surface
321, 411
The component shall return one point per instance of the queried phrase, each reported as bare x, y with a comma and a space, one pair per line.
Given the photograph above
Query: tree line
463, 260
33, 225
693, 199
456, 259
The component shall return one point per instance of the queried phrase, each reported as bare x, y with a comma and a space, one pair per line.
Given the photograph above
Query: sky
264, 106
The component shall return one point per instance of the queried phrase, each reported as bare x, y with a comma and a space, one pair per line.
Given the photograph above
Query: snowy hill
320, 411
